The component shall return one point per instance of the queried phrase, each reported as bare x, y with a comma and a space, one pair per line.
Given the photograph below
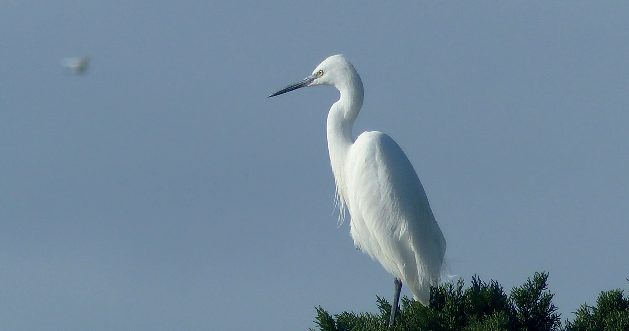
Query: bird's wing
391, 218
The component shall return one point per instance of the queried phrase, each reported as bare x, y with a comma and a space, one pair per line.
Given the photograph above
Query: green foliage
534, 307
611, 313
485, 307
480, 307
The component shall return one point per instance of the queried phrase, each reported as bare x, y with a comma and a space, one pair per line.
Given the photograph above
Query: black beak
303, 83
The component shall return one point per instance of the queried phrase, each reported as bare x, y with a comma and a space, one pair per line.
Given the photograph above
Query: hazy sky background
164, 191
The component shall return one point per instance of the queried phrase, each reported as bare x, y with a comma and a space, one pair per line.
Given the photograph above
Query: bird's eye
319, 73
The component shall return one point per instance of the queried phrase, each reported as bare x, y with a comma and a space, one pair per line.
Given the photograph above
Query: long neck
341, 118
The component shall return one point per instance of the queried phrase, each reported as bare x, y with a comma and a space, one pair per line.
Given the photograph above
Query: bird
76, 65
390, 216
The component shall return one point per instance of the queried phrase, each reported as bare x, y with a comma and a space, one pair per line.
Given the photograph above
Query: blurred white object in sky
76, 65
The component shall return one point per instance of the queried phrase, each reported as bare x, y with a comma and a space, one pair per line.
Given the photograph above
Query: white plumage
391, 219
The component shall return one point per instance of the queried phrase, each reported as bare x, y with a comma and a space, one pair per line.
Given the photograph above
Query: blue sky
163, 190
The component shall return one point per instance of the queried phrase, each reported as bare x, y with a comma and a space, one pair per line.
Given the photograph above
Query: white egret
391, 219
76, 65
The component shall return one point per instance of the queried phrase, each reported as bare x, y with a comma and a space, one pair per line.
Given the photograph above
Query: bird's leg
396, 298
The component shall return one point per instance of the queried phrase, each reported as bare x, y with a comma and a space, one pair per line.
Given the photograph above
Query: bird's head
334, 71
